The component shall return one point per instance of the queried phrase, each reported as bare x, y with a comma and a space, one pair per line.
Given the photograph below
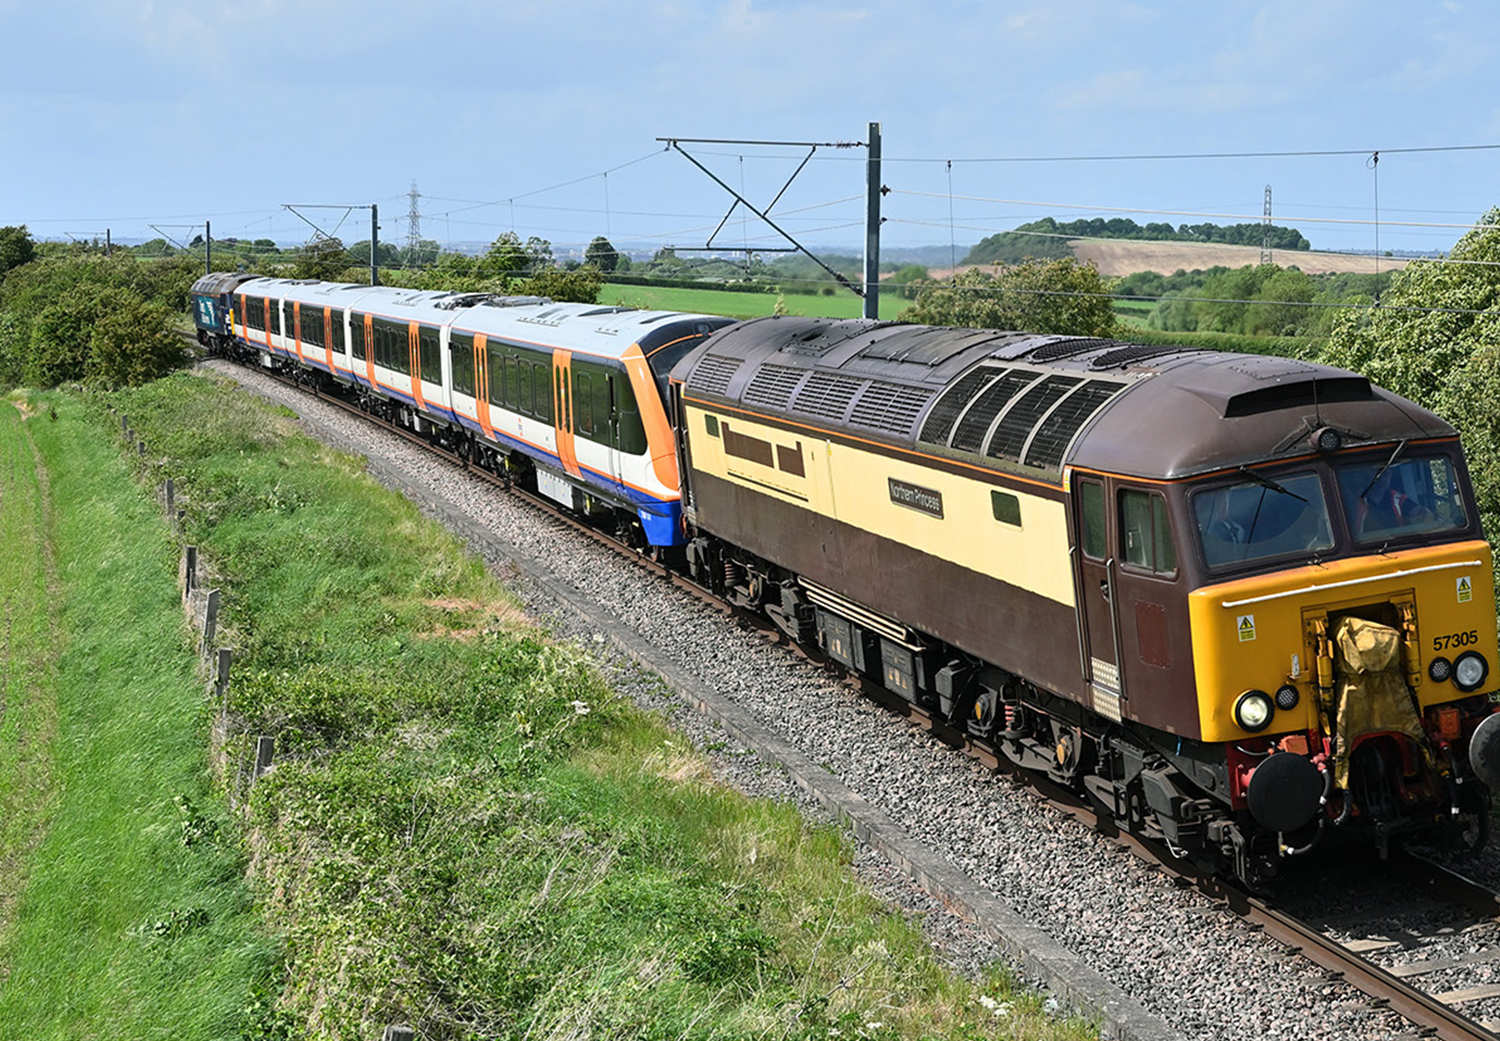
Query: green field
122, 907
843, 304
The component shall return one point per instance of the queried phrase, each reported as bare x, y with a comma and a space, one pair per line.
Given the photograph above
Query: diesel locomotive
1241, 602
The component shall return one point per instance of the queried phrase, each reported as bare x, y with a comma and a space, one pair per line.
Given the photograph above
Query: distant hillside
1049, 238
1121, 257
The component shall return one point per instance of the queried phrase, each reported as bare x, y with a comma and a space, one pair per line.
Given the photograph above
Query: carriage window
1092, 496
1145, 535
494, 363
583, 411
461, 347
1390, 500
542, 374
357, 335
430, 355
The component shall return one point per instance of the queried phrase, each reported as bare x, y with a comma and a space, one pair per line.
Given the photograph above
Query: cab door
1097, 570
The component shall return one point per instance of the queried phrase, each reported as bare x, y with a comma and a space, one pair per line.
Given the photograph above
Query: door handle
1104, 588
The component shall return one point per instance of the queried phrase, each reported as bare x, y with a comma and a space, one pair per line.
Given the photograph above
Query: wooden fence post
265, 751
210, 621
221, 676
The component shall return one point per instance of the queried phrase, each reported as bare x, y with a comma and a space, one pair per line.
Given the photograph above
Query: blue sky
124, 114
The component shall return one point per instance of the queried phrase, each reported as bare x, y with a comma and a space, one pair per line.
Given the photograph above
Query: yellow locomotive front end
1346, 687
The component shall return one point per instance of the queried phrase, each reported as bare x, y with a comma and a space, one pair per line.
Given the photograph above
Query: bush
50, 310
132, 342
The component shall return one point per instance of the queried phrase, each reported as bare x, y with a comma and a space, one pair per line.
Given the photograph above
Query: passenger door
563, 403
615, 400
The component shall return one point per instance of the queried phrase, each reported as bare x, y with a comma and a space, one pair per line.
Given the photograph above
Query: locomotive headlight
1327, 439
1253, 710
1439, 669
1470, 670
1287, 697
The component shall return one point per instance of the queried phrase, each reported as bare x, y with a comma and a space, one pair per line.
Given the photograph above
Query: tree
16, 248
1435, 338
1042, 296
425, 254
322, 258
907, 280
666, 261
602, 254
1278, 313
508, 257
388, 255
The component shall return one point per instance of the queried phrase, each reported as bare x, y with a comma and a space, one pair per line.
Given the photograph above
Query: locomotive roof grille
1056, 432
948, 408
773, 385
1134, 353
1069, 348
1009, 439
827, 395
712, 374
977, 421
889, 407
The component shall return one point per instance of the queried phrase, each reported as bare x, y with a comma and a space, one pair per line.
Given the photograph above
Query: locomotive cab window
1145, 534
1385, 499
1262, 519
1091, 496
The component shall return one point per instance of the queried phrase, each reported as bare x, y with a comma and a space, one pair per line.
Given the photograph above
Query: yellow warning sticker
1465, 590
1246, 625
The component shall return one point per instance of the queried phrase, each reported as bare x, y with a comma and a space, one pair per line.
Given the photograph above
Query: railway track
1379, 955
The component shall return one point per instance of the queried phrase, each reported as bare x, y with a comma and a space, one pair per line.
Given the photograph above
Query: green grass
28, 691
468, 831
132, 920
843, 304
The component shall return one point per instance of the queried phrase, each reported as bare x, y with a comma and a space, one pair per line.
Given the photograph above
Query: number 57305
1452, 640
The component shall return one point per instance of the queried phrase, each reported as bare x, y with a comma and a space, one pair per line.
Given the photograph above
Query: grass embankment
842, 304
122, 910
466, 830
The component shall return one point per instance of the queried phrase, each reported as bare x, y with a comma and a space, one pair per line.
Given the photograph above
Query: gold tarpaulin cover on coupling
1372, 695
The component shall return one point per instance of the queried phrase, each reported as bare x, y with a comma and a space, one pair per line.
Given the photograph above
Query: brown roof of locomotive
1032, 404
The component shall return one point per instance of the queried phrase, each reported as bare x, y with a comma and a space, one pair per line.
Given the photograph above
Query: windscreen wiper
1401, 447
1266, 482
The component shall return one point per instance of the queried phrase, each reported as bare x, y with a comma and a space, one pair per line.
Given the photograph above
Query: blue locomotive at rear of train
213, 301
566, 398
